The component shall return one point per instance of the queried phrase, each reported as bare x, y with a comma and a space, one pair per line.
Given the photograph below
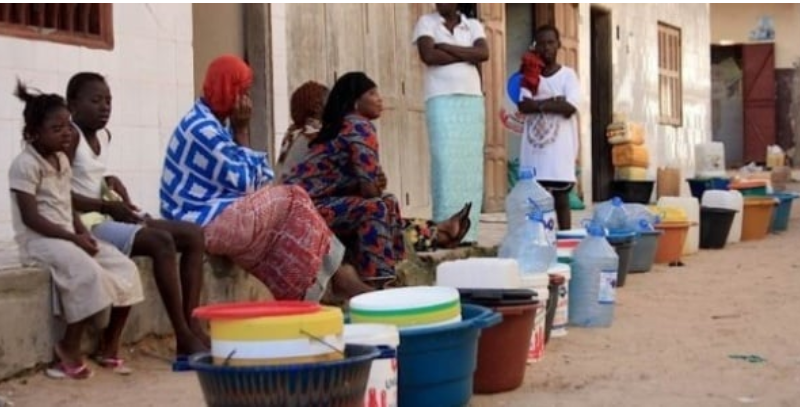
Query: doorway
602, 103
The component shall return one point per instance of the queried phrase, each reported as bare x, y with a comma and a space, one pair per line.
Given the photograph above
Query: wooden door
307, 42
602, 102
493, 16
345, 29
758, 81
565, 16
380, 36
415, 159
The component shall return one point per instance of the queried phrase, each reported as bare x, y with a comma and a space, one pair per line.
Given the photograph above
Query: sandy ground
674, 331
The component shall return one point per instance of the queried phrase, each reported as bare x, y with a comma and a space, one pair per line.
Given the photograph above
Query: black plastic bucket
623, 244
633, 191
715, 225
645, 253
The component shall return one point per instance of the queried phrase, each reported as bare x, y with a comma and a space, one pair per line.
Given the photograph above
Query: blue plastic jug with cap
592, 288
528, 196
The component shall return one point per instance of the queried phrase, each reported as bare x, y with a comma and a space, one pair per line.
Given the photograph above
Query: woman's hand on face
242, 112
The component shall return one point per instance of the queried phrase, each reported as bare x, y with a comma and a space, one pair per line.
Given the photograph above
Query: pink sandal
62, 371
116, 365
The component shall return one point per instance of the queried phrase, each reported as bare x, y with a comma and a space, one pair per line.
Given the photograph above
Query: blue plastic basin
436, 365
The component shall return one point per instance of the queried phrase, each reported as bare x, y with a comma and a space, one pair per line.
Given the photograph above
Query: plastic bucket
645, 254
338, 383
436, 365
670, 246
556, 282
715, 225
633, 191
699, 186
757, 218
502, 349
623, 244
561, 314
541, 284
382, 383
783, 212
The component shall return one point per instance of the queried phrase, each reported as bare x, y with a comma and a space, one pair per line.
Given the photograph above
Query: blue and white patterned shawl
205, 170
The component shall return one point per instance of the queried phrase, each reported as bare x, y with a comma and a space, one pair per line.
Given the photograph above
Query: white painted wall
733, 22
150, 71
635, 77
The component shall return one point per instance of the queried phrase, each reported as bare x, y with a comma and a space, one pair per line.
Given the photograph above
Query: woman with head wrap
342, 174
213, 178
306, 107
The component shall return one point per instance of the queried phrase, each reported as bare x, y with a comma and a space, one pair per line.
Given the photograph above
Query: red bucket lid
243, 310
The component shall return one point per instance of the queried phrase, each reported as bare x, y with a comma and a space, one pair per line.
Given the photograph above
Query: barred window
669, 75
84, 24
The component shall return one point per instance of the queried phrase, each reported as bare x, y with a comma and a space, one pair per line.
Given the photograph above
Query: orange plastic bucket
757, 217
670, 246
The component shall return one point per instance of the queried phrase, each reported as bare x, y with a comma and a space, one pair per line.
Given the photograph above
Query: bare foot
69, 358
347, 283
200, 332
189, 345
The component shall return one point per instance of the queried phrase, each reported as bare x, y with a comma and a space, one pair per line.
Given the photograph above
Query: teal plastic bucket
436, 365
783, 212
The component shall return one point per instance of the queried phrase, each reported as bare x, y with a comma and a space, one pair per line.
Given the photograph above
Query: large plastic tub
633, 191
715, 225
670, 246
503, 348
699, 186
757, 217
334, 383
623, 243
783, 212
436, 365
645, 253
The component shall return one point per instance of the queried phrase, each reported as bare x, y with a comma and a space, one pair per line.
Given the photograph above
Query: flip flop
456, 240
62, 371
116, 365
181, 364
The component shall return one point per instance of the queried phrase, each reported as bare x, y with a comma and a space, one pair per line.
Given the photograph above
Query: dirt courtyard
671, 344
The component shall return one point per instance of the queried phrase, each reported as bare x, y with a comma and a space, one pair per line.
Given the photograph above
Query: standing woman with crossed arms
452, 47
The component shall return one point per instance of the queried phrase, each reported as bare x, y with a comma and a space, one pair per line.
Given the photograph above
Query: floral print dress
370, 228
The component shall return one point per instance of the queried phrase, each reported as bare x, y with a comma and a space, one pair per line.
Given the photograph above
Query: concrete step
28, 329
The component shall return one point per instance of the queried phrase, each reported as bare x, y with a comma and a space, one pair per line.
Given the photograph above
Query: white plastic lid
536, 280
561, 269
371, 334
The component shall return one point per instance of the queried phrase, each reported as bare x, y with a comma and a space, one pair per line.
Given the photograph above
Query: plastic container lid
371, 334
571, 234
261, 309
561, 269
498, 298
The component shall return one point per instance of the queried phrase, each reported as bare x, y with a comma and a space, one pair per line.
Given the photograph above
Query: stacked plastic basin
718, 213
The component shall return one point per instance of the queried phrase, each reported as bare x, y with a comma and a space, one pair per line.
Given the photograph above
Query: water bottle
612, 216
528, 196
592, 289
533, 251
641, 218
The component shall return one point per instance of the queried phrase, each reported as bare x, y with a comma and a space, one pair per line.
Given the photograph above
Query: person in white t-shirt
452, 47
550, 134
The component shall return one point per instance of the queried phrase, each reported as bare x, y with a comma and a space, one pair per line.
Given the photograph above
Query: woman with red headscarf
212, 177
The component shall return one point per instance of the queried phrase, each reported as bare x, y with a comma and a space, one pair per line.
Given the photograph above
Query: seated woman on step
306, 106
343, 176
212, 177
